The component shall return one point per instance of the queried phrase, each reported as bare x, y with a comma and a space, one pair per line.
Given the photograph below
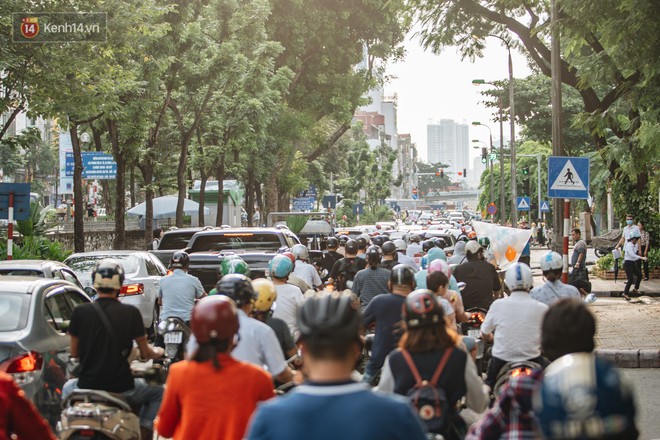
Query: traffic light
525, 171
484, 155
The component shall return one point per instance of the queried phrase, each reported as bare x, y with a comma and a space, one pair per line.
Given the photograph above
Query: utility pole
502, 209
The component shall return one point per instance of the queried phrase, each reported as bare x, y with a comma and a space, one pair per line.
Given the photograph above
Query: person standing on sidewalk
633, 273
644, 245
627, 230
579, 277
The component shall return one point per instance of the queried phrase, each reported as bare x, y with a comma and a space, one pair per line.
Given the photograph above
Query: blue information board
358, 208
303, 204
21, 193
96, 165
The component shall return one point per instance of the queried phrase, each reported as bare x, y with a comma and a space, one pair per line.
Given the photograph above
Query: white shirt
307, 273
258, 345
631, 251
552, 292
628, 229
289, 300
516, 321
414, 248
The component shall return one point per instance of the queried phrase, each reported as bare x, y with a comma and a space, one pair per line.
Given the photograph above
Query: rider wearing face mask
627, 230
553, 290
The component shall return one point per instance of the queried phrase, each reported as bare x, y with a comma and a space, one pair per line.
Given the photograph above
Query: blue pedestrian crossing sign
545, 206
522, 203
568, 177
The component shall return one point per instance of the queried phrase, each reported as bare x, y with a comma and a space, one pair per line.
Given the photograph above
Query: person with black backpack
344, 270
430, 369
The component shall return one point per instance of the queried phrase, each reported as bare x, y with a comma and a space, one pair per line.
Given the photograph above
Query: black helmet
237, 287
351, 247
332, 243
329, 318
422, 309
402, 274
180, 260
374, 254
378, 240
343, 239
389, 248
427, 245
361, 242
440, 242
108, 276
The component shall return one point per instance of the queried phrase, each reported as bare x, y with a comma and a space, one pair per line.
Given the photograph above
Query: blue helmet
280, 266
583, 397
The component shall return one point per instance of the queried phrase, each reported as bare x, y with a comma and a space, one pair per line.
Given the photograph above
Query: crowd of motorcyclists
412, 297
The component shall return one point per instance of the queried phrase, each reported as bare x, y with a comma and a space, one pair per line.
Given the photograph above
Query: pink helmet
440, 266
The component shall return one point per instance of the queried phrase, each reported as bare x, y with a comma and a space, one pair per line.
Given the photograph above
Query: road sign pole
10, 227
567, 228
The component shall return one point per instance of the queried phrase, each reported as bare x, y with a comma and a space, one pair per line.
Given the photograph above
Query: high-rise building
448, 142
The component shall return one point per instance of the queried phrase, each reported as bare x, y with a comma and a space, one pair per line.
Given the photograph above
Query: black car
34, 346
174, 240
256, 246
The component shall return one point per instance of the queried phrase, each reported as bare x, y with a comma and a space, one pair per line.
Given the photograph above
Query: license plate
173, 337
473, 333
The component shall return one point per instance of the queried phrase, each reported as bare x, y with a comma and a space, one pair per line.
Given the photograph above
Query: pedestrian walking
644, 245
633, 273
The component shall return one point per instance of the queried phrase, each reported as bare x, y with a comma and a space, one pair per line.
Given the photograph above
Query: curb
631, 358
619, 293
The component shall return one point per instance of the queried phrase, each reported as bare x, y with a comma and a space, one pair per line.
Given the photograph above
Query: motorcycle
513, 369
605, 244
100, 415
175, 335
472, 328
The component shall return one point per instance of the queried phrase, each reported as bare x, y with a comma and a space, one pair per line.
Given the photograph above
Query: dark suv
256, 246
174, 240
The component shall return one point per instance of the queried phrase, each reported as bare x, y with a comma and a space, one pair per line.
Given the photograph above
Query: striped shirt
368, 283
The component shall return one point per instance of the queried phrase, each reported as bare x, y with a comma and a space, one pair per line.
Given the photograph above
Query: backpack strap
412, 367
441, 366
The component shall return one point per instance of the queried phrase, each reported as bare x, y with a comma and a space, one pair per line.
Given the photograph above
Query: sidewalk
627, 333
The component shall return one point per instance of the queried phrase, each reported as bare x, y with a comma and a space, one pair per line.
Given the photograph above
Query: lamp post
502, 207
538, 181
490, 134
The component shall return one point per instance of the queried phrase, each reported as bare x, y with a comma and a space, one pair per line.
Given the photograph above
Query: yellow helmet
266, 294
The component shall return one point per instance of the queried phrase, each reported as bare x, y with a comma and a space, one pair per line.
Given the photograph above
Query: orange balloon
510, 253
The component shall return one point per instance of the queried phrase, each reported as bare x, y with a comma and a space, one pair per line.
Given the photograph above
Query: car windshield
175, 240
237, 241
14, 309
16, 272
85, 264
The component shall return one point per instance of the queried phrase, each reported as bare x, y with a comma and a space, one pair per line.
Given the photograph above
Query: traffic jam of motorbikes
261, 333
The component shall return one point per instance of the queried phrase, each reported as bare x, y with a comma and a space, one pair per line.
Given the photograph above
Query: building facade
448, 142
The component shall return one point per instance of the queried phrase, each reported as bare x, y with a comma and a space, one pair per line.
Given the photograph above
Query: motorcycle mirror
91, 292
461, 286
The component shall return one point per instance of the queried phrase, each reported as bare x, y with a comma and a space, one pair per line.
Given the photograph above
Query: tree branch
11, 118
328, 143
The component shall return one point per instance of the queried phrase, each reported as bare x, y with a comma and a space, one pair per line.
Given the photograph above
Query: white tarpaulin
505, 243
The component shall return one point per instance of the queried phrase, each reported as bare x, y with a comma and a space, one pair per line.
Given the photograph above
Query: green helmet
234, 265
484, 242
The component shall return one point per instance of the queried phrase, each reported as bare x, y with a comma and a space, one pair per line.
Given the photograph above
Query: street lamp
490, 133
514, 211
538, 181
502, 207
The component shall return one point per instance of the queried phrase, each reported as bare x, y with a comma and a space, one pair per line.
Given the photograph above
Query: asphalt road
646, 383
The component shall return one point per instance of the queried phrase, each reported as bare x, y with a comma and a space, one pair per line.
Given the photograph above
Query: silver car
143, 272
35, 313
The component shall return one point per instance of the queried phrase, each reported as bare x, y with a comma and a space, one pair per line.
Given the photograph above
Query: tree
616, 80
433, 182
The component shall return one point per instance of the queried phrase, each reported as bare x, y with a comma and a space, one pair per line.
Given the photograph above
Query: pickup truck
175, 240
257, 246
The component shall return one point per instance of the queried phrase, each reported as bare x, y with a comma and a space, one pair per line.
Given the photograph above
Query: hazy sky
431, 87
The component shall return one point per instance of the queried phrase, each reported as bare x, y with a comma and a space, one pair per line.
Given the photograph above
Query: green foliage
641, 204
605, 262
379, 213
654, 258
431, 183
35, 248
296, 222
35, 225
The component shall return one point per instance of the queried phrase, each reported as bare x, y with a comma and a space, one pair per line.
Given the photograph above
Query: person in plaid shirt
568, 327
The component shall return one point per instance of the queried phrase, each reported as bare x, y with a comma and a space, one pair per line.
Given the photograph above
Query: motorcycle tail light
86, 433
131, 289
522, 371
23, 367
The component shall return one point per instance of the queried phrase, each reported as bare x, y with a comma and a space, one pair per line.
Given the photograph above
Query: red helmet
291, 256
214, 317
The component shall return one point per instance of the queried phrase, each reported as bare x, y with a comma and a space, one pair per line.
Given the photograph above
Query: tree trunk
181, 182
220, 176
260, 201
120, 190
79, 210
202, 193
132, 183
249, 194
147, 170
270, 192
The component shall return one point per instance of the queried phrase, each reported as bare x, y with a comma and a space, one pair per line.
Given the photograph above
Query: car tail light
131, 289
23, 367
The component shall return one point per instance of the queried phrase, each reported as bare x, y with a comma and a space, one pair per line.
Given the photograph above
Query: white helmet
400, 245
300, 251
551, 261
519, 277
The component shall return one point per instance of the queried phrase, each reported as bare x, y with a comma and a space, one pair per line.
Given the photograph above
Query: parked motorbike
100, 415
605, 244
175, 335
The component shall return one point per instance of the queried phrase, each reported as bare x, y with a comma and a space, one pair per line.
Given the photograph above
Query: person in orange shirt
212, 395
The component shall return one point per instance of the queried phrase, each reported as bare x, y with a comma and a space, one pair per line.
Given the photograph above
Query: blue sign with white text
96, 165
303, 204
568, 177
21, 196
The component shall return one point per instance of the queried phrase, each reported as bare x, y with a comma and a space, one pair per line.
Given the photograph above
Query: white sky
440, 87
